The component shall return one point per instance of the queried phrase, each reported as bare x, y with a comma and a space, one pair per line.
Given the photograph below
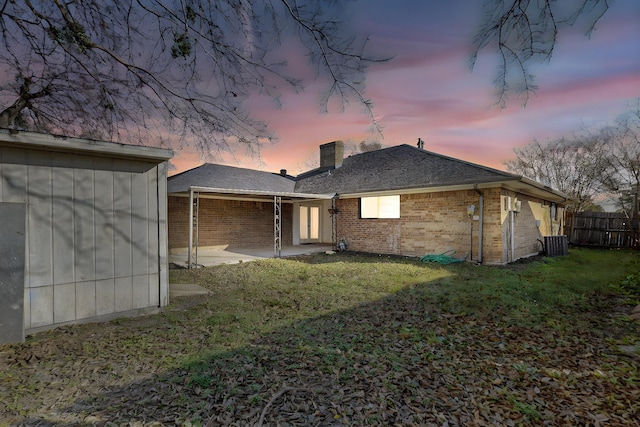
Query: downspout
190, 227
512, 225
334, 222
480, 223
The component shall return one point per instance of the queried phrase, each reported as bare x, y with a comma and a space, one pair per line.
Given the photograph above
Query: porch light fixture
471, 209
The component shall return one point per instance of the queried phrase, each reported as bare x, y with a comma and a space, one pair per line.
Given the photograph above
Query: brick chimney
331, 154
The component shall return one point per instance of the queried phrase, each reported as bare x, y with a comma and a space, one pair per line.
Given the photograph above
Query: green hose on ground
443, 258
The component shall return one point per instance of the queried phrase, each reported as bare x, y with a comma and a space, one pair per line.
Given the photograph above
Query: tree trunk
9, 114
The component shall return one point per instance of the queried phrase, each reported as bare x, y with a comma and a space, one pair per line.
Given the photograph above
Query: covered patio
222, 214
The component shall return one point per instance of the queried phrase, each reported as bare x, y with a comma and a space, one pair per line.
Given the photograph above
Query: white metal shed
83, 231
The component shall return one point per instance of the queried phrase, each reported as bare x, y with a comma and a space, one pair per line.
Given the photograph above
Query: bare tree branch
524, 32
139, 71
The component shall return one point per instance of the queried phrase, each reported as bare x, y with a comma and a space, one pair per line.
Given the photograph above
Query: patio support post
334, 223
193, 226
190, 248
277, 226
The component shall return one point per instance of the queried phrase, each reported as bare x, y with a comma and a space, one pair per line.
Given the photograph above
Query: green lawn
350, 339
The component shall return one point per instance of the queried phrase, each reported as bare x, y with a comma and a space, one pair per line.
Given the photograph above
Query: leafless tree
573, 166
353, 147
525, 32
139, 70
622, 175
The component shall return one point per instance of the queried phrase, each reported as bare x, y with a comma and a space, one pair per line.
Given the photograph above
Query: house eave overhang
521, 185
415, 190
41, 141
255, 194
529, 186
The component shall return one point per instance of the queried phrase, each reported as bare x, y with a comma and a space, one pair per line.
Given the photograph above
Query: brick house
400, 200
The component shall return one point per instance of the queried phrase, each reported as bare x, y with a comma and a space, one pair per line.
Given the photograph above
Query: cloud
428, 90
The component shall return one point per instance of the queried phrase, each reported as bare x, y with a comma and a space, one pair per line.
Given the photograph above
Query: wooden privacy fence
605, 229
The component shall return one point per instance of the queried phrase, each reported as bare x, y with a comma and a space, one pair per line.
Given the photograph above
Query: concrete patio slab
186, 290
214, 256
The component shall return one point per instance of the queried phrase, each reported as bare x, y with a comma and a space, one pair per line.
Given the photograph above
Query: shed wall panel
122, 219
84, 211
153, 223
14, 175
63, 219
140, 291
41, 306
139, 224
163, 233
104, 224
39, 222
105, 297
85, 300
123, 293
64, 303
154, 289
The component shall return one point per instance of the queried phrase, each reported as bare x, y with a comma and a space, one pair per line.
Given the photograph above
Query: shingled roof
396, 168
399, 168
230, 178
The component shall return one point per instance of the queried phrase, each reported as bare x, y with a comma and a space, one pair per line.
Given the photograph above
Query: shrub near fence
604, 229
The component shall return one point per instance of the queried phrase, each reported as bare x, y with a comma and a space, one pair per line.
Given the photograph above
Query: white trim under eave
417, 190
291, 195
42, 141
524, 185
211, 196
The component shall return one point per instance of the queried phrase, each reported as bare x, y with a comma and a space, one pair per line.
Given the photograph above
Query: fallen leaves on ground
396, 361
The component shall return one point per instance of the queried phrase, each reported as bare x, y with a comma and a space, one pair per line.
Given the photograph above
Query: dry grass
351, 340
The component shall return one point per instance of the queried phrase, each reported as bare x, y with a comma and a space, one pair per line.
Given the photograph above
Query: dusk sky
428, 90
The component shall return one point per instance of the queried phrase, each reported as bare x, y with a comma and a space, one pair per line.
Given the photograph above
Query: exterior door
309, 224
12, 245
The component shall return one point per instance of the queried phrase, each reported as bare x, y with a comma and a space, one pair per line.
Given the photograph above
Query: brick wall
493, 242
367, 235
227, 222
430, 223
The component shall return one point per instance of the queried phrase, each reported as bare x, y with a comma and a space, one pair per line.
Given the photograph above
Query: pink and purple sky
428, 90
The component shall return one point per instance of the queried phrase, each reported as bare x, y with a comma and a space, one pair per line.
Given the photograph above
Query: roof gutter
520, 184
565, 198
261, 193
